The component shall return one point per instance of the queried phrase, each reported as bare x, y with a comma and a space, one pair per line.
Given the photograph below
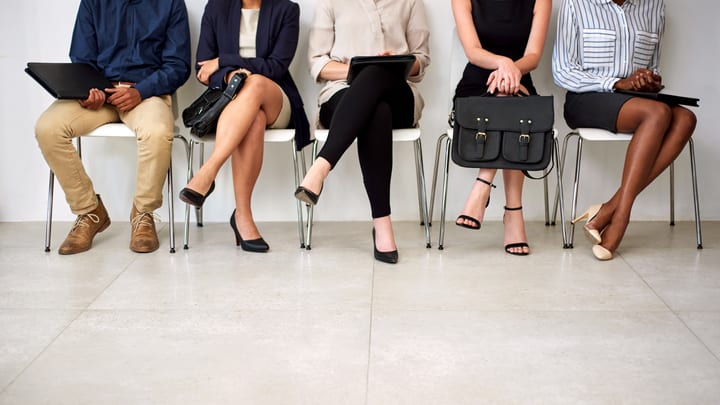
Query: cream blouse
342, 29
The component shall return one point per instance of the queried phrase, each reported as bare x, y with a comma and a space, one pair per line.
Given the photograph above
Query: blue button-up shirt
142, 41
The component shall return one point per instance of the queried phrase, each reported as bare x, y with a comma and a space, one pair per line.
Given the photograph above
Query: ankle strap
486, 182
513, 209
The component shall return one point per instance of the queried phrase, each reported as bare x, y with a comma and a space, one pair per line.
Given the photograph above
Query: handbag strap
234, 85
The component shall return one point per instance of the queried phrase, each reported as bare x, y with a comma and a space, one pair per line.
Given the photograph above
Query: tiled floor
467, 325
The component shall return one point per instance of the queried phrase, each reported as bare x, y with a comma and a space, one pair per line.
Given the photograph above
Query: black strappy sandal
475, 222
517, 244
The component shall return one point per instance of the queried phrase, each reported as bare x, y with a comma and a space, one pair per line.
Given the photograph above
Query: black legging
375, 103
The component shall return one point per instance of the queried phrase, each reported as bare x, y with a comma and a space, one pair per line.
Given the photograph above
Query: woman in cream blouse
375, 103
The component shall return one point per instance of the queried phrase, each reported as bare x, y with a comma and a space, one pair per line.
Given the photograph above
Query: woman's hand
506, 78
207, 68
641, 80
522, 91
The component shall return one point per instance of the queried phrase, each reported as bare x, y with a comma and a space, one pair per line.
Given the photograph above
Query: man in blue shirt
143, 48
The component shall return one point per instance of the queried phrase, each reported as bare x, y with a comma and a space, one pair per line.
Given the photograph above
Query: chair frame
98, 132
271, 136
626, 137
447, 138
399, 135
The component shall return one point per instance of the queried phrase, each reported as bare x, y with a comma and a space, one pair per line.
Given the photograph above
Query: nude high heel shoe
593, 235
601, 253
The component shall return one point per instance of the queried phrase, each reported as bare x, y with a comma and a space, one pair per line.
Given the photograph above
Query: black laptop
400, 64
67, 80
670, 99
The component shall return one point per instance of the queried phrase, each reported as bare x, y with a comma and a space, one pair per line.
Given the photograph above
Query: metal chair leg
311, 208
441, 138
48, 218
171, 207
298, 203
696, 198
672, 194
199, 210
575, 191
560, 193
422, 191
186, 228
443, 204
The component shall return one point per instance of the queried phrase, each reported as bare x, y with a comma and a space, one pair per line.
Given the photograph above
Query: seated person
595, 55
147, 59
375, 103
258, 38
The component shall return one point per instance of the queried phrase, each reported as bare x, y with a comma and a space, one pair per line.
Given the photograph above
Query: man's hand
124, 98
207, 68
95, 100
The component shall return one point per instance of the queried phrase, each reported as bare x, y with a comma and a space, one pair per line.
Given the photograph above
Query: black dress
503, 27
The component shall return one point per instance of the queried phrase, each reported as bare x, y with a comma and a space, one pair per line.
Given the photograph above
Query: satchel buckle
481, 134
524, 138
481, 128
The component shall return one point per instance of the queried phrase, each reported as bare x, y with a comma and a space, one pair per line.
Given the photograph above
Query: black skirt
594, 109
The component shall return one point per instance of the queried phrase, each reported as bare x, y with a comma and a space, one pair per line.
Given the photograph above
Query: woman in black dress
503, 41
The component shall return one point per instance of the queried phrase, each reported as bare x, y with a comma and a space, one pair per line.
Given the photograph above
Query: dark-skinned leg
679, 132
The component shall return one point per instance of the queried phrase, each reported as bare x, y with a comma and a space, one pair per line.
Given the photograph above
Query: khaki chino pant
152, 121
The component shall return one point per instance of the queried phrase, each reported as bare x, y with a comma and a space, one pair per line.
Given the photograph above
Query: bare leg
477, 200
258, 94
513, 220
660, 135
316, 175
247, 161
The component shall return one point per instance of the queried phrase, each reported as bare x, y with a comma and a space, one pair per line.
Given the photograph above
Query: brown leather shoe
84, 230
143, 237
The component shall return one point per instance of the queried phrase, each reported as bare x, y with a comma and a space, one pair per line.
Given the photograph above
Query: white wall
40, 30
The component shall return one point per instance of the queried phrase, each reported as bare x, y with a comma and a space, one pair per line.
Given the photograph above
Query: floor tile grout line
672, 311
80, 312
370, 331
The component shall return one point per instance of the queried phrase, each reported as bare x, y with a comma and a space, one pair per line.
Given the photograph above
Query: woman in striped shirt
608, 45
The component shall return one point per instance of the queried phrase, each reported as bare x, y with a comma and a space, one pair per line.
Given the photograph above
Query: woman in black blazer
258, 38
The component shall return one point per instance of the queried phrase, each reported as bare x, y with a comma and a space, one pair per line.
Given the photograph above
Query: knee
685, 119
47, 132
156, 133
254, 87
659, 114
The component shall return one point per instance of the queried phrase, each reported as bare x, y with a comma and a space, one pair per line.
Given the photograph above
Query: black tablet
401, 64
67, 80
665, 98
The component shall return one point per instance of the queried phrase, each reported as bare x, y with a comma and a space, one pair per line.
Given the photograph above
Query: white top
342, 29
248, 30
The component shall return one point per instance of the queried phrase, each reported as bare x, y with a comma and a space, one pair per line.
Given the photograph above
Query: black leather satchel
503, 132
202, 115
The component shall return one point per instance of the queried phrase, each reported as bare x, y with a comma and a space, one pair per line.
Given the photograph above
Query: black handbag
503, 132
202, 115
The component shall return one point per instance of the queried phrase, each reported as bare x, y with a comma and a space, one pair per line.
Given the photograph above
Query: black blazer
276, 42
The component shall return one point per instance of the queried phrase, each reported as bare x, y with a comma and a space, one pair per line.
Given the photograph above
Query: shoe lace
81, 221
144, 219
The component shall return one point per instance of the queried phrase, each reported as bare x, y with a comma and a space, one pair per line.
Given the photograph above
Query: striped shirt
599, 42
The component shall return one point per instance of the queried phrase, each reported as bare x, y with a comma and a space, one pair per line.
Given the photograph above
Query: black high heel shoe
386, 257
194, 198
255, 245
474, 222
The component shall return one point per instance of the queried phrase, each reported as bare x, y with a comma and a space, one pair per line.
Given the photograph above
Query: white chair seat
271, 136
601, 135
399, 135
596, 134
117, 130
112, 130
